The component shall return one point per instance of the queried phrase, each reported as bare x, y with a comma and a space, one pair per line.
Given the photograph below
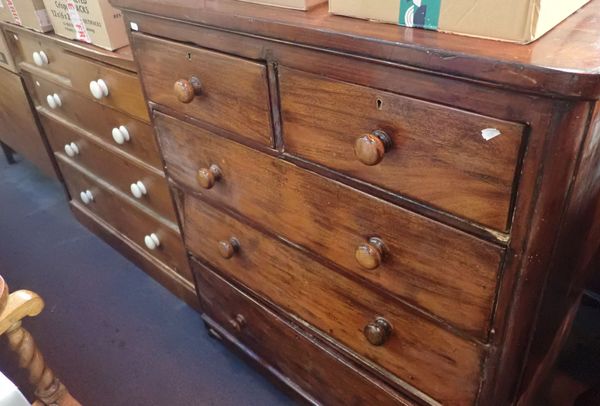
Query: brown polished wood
343, 308
332, 220
126, 217
299, 359
472, 162
434, 154
111, 166
78, 109
19, 128
234, 95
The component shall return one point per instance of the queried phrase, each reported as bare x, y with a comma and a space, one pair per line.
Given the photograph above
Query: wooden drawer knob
208, 177
228, 248
378, 331
186, 90
120, 135
370, 148
370, 254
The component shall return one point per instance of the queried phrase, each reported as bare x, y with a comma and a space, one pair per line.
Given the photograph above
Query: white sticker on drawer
490, 133
13, 11
78, 24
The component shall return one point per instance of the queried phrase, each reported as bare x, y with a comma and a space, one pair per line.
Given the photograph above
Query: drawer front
429, 357
121, 173
40, 52
325, 376
126, 218
231, 93
445, 271
112, 87
431, 153
18, 128
6, 58
107, 124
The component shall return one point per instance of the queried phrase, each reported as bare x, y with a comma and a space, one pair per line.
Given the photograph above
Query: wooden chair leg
8, 153
48, 388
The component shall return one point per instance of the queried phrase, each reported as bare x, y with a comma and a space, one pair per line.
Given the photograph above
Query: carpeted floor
112, 334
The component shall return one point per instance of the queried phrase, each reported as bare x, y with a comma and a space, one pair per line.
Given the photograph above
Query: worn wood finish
332, 220
427, 356
18, 124
234, 92
125, 93
79, 109
127, 217
112, 167
121, 58
301, 359
436, 154
25, 43
564, 61
165, 275
545, 88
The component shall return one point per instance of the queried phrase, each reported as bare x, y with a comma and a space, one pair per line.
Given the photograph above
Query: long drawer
144, 184
442, 270
104, 122
285, 349
133, 222
418, 351
428, 152
222, 90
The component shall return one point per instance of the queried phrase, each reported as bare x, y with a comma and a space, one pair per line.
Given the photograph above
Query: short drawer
229, 92
147, 186
110, 86
445, 271
328, 378
135, 223
431, 153
39, 51
339, 306
130, 135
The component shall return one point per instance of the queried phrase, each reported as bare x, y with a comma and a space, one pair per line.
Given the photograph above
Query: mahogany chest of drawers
377, 215
93, 114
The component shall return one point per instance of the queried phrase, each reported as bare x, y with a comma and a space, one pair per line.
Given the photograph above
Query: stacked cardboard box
27, 13
519, 21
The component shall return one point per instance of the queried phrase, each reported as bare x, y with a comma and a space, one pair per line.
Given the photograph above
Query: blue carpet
111, 333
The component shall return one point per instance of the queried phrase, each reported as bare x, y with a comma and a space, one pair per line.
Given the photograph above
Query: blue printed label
420, 13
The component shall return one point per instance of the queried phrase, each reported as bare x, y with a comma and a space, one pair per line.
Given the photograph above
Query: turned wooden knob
186, 90
370, 254
370, 148
228, 248
378, 331
238, 322
207, 177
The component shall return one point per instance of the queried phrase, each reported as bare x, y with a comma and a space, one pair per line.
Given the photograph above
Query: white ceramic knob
138, 189
51, 102
40, 58
86, 197
98, 88
71, 149
120, 135
152, 242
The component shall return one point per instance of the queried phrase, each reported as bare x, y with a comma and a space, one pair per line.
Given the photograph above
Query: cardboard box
519, 21
27, 13
295, 4
92, 21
